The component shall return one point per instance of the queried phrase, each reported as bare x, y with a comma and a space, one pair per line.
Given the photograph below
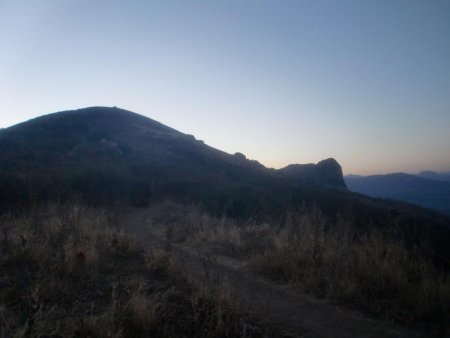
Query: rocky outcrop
327, 173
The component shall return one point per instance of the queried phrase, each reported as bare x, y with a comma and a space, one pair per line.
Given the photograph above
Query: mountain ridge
443, 176
423, 191
110, 145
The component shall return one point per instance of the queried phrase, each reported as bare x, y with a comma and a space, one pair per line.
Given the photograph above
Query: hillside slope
109, 154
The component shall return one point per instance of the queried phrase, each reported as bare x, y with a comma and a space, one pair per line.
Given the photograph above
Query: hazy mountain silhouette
432, 175
421, 190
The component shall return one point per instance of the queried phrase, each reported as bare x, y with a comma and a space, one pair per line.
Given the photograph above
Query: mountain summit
107, 154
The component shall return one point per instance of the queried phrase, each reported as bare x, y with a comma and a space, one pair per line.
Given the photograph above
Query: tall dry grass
69, 270
373, 271
64, 239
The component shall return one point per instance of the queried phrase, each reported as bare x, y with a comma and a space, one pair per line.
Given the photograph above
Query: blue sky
365, 82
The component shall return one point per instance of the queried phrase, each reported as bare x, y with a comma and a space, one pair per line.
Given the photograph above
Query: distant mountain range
432, 175
427, 189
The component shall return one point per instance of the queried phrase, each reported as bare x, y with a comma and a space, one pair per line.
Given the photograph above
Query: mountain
110, 154
429, 193
434, 175
112, 157
353, 176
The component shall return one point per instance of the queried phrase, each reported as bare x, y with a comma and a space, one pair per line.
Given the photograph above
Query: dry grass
69, 271
371, 271
68, 239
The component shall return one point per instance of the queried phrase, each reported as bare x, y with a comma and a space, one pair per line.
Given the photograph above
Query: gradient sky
365, 82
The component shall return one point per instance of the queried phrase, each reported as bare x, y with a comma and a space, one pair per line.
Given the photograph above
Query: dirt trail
298, 314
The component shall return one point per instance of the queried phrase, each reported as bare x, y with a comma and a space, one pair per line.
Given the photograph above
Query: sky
365, 82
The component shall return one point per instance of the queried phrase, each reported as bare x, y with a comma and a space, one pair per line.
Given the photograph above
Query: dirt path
303, 316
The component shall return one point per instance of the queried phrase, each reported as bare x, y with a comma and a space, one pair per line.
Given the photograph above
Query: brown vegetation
70, 271
372, 271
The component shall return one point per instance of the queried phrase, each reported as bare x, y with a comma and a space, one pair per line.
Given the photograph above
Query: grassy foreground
375, 271
68, 271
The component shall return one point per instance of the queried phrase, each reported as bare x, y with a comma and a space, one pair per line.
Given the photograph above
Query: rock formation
327, 173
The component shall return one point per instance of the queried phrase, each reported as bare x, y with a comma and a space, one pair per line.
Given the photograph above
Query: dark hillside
109, 156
